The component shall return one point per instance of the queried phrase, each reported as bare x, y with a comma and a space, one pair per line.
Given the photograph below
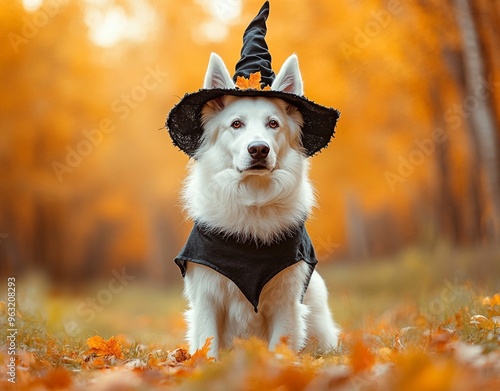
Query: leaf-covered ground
421, 322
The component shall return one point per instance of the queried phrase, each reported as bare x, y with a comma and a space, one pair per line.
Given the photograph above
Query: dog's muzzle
258, 151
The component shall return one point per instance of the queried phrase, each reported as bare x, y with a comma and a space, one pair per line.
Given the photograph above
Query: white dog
250, 180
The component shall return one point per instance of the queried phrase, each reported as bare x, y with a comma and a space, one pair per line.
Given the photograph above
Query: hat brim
184, 120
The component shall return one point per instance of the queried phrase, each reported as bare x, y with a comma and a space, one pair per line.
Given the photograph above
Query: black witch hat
184, 120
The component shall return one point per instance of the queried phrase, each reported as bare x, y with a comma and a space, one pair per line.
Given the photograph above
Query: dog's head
252, 135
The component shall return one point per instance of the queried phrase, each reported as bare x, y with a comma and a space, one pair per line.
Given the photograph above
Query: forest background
407, 227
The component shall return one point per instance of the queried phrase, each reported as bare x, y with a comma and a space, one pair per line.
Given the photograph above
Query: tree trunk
477, 105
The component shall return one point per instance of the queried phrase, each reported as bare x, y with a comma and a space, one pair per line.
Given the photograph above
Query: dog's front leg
283, 308
202, 316
288, 321
202, 324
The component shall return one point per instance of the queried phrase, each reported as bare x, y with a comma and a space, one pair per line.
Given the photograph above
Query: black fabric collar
248, 264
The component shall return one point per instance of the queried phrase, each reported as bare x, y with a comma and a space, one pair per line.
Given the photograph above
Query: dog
249, 180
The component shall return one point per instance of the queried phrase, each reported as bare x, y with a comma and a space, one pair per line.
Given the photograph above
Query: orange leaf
253, 82
361, 356
100, 347
418, 371
283, 350
98, 362
201, 355
57, 378
441, 339
123, 340
242, 82
492, 301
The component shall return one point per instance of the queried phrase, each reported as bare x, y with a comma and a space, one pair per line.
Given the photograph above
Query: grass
406, 320
436, 282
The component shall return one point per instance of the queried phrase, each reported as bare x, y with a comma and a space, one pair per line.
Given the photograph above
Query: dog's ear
217, 75
289, 78
216, 104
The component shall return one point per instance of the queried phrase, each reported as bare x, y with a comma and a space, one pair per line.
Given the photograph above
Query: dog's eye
236, 124
273, 124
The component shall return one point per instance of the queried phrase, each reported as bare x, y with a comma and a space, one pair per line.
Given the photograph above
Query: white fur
226, 193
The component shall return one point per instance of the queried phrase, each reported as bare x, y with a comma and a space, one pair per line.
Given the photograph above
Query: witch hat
184, 120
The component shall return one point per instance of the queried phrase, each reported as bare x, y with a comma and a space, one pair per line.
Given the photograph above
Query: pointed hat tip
265, 8
255, 56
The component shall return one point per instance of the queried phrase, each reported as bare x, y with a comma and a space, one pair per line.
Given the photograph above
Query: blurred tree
482, 121
45, 72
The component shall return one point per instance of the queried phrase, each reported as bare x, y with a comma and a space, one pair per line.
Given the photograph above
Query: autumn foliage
461, 353
89, 183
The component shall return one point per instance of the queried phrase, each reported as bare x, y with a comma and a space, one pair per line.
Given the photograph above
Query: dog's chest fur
235, 315
256, 208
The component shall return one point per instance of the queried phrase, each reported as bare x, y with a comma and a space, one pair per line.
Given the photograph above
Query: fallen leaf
361, 356
418, 371
482, 322
440, 340
491, 301
102, 348
58, 378
201, 355
180, 355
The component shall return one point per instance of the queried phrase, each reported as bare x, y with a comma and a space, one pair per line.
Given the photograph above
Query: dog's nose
258, 150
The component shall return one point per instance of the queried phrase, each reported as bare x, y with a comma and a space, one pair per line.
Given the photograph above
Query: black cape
248, 264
